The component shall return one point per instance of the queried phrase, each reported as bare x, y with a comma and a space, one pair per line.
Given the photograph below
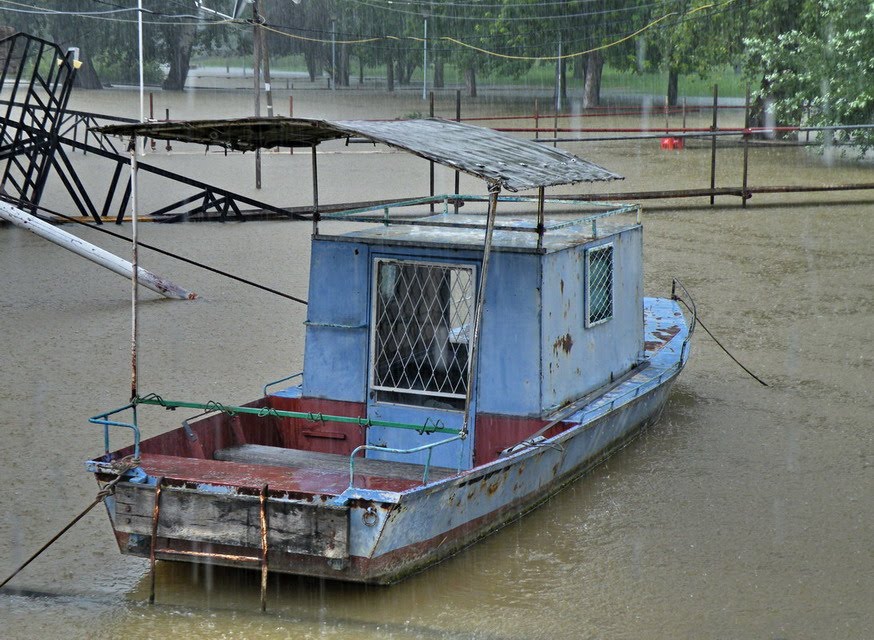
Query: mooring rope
124, 465
176, 256
720, 345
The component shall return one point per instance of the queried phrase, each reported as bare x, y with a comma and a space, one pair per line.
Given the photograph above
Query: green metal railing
428, 427
266, 412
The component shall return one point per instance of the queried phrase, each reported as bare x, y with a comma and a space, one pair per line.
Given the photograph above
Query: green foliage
115, 71
824, 67
811, 57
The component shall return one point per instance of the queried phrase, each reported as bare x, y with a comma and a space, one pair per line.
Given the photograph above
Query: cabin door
422, 314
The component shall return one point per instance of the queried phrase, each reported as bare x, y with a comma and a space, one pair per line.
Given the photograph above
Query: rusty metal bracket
156, 513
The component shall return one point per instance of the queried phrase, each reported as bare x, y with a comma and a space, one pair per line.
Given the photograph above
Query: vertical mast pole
494, 191
142, 90
134, 168
457, 119
431, 169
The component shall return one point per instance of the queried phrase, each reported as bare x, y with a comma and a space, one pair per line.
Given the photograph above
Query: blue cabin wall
336, 355
509, 376
536, 353
338, 320
577, 359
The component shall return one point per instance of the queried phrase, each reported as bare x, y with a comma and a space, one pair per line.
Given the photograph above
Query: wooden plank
333, 462
295, 526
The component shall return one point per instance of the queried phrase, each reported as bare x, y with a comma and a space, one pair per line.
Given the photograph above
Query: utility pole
265, 69
558, 77
260, 54
425, 62
333, 54
256, 46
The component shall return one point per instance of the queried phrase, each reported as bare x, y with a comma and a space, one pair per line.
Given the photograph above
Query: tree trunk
579, 67
390, 74
405, 72
470, 81
592, 90
86, 76
563, 79
312, 68
344, 65
360, 70
759, 111
439, 81
180, 58
673, 79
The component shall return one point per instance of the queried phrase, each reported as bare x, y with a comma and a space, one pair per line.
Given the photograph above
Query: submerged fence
551, 128
675, 137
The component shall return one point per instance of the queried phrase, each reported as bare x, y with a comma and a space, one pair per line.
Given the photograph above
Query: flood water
745, 513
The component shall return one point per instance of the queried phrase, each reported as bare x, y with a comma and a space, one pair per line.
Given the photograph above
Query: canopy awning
498, 158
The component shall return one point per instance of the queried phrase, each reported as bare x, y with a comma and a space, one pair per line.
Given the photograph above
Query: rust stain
662, 337
492, 488
565, 343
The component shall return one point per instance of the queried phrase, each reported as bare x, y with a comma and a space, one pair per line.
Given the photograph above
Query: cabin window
422, 316
599, 285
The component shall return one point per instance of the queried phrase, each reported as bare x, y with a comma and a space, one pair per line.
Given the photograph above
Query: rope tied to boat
718, 343
122, 466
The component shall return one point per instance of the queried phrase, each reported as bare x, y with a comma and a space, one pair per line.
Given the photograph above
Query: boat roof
513, 163
466, 231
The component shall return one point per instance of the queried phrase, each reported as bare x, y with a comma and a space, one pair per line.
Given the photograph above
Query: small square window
599, 285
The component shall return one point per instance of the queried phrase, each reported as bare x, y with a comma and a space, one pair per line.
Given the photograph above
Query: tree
823, 65
90, 36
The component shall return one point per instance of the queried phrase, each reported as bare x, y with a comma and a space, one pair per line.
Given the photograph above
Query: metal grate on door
422, 316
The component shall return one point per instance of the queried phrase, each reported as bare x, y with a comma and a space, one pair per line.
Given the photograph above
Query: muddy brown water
745, 513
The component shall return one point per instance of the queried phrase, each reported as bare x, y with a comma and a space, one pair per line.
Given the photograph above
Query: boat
460, 367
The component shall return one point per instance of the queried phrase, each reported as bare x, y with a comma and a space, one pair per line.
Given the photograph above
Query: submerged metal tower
38, 77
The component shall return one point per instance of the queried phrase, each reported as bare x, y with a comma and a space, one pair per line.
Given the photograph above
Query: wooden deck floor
298, 459
295, 471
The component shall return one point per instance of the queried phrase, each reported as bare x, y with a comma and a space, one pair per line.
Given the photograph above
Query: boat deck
288, 470
239, 464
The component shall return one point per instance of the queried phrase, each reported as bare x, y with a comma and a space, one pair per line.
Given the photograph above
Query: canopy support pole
316, 214
494, 191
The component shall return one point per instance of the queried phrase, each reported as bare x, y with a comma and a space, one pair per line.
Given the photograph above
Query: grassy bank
539, 75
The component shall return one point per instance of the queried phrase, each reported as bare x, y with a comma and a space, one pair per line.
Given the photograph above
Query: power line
505, 18
455, 41
496, 54
105, 14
